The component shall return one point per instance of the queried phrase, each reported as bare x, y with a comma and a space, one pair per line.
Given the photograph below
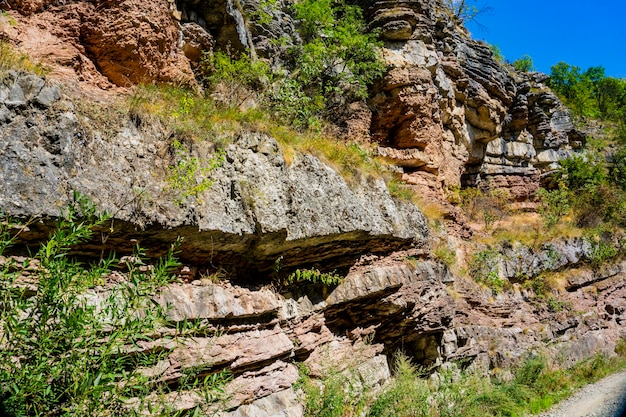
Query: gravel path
605, 398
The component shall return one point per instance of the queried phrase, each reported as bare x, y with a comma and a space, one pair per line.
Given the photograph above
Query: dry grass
527, 228
11, 59
200, 118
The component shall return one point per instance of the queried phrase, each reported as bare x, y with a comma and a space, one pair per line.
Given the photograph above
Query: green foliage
406, 396
497, 53
241, 76
64, 354
314, 276
618, 170
488, 206
594, 192
336, 62
335, 395
601, 250
462, 10
524, 64
11, 59
445, 254
581, 171
338, 57
590, 93
189, 176
535, 387
554, 204
484, 268
620, 348
263, 14
398, 189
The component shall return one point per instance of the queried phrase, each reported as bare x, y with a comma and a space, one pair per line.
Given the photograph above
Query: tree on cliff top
465, 10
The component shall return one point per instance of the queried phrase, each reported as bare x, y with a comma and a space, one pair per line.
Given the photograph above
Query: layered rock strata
257, 210
447, 114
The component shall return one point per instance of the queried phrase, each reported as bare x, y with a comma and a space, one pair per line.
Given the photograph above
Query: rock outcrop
446, 114
453, 115
257, 210
103, 43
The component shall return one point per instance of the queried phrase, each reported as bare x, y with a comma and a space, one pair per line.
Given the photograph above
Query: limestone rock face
446, 114
257, 210
472, 120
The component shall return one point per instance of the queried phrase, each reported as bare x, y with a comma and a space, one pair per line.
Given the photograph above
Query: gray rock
15, 96
280, 404
48, 95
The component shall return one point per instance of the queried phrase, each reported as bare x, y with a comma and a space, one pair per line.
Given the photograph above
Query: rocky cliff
446, 115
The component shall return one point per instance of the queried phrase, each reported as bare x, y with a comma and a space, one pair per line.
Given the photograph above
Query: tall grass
534, 387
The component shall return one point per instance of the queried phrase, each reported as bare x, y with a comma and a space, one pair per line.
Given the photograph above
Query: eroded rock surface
258, 209
447, 114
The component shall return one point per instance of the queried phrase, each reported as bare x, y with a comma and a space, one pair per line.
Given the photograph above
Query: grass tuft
11, 59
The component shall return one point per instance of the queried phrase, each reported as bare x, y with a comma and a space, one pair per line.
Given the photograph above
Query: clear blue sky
582, 33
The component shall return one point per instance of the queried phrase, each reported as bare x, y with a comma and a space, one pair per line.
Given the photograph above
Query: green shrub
335, 395
407, 395
488, 206
497, 53
336, 62
524, 64
484, 268
602, 252
618, 170
63, 354
554, 204
189, 176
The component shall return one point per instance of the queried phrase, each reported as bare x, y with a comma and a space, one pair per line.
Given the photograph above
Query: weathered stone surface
257, 210
196, 41
520, 260
215, 301
469, 117
284, 404
128, 42
238, 351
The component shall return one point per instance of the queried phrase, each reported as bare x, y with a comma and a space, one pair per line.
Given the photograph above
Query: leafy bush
524, 64
590, 92
336, 62
241, 77
488, 206
554, 204
534, 388
406, 396
338, 59
594, 192
62, 352
484, 268
618, 170
463, 10
335, 395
